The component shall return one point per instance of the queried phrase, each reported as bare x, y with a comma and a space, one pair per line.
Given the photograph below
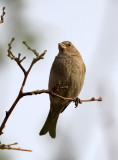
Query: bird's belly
74, 84
73, 79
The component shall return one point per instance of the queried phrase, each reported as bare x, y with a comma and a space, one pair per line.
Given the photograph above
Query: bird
69, 69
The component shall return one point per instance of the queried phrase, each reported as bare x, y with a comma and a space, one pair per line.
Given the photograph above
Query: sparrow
69, 69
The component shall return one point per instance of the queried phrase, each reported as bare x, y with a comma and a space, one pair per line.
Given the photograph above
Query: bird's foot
77, 101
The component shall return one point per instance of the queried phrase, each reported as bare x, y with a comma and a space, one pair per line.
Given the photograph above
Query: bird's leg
58, 87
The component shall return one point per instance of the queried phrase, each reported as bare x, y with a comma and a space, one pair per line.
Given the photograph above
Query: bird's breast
70, 71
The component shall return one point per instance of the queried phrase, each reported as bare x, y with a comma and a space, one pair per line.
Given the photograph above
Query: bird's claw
77, 101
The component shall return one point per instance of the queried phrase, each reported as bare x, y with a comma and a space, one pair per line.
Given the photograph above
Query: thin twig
26, 73
74, 99
8, 146
2, 16
33, 50
13, 57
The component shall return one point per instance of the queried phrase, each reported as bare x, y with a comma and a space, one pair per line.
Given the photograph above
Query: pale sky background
88, 132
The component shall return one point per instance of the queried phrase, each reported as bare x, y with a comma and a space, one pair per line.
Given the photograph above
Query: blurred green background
88, 132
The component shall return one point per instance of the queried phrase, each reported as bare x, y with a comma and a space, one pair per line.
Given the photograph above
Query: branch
2, 16
38, 57
74, 99
8, 146
26, 73
17, 59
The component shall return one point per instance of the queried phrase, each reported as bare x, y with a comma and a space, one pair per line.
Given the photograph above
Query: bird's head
67, 46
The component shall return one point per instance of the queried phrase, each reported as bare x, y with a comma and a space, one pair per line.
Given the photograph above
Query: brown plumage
68, 68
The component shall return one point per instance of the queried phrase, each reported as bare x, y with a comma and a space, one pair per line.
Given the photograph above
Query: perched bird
68, 68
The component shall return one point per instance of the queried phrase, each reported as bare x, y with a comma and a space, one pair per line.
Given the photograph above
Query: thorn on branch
2, 16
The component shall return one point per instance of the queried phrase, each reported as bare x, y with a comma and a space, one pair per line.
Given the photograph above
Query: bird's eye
69, 44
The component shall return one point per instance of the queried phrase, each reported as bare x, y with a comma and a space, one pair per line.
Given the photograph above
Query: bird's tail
49, 126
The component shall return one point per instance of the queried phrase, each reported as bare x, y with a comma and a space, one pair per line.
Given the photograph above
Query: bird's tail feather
52, 129
49, 126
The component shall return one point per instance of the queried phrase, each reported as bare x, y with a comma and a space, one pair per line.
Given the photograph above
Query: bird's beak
62, 46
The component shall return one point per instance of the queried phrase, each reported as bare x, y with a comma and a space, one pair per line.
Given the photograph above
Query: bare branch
38, 57
17, 59
77, 100
33, 50
2, 16
74, 99
8, 146
20, 94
